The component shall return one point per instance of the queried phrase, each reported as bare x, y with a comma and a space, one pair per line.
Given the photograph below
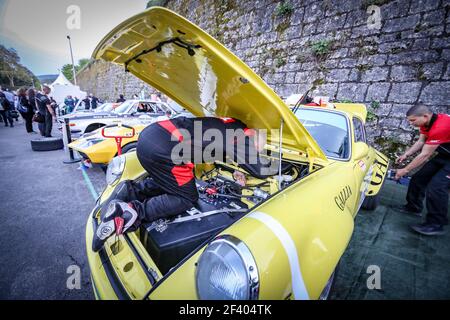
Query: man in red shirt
433, 179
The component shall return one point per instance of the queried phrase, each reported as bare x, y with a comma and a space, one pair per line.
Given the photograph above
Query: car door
362, 164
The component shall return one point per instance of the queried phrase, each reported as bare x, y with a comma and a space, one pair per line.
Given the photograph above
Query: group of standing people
31, 105
91, 102
70, 103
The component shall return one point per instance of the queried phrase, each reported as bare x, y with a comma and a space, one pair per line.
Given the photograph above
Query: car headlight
115, 169
227, 270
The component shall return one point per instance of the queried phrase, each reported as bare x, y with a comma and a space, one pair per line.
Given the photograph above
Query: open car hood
188, 65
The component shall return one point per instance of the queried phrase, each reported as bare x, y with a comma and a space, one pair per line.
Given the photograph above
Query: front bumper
100, 268
123, 274
96, 153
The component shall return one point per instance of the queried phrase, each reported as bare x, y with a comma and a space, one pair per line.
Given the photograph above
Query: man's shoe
429, 229
118, 218
406, 210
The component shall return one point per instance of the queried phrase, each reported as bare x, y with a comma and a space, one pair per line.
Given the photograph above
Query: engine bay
222, 201
219, 186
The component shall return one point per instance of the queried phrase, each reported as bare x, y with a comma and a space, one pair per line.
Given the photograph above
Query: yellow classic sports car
277, 238
95, 147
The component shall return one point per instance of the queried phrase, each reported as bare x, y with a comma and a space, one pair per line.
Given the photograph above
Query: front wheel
329, 287
371, 203
129, 147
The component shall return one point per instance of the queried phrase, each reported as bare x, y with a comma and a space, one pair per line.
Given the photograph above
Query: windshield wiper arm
337, 153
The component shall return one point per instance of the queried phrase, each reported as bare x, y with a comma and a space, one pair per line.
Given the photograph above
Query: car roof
348, 113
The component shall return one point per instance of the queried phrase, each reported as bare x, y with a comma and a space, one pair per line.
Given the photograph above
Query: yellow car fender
380, 169
132, 171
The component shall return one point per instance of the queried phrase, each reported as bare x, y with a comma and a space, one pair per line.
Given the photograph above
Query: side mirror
360, 150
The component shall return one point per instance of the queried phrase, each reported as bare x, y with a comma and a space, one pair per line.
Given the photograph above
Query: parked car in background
93, 146
130, 112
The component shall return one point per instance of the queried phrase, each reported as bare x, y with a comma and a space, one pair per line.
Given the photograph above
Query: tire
129, 147
47, 144
371, 203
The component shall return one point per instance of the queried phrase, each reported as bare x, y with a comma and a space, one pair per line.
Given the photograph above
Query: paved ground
412, 266
45, 204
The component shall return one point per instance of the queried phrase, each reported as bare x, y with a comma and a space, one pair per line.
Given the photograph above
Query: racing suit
172, 189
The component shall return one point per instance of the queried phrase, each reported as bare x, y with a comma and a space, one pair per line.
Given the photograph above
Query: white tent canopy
62, 87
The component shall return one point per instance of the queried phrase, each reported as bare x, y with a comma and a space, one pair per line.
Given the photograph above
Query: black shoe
429, 229
118, 218
406, 210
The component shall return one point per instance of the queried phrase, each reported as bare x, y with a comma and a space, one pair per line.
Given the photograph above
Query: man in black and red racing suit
168, 150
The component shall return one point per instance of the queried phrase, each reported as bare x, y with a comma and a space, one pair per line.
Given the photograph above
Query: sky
37, 29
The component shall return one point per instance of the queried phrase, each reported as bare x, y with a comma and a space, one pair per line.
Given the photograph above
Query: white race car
130, 112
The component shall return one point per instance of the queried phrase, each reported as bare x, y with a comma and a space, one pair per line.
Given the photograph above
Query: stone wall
337, 46
107, 81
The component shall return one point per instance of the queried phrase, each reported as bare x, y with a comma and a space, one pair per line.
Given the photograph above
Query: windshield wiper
337, 153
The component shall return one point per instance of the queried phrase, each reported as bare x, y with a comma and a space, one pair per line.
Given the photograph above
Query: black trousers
7, 117
153, 203
432, 182
28, 117
48, 124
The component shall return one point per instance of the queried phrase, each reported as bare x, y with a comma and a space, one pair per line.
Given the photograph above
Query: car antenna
302, 99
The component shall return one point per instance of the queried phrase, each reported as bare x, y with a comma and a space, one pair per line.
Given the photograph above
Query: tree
82, 63
67, 71
12, 73
67, 68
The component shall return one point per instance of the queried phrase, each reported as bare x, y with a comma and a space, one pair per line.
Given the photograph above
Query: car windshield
123, 108
330, 130
106, 107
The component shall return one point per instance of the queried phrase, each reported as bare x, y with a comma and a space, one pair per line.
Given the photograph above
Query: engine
222, 201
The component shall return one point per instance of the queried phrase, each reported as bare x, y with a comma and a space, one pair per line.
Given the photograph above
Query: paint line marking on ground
89, 183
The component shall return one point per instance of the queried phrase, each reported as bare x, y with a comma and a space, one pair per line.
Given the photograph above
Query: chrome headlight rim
115, 169
247, 259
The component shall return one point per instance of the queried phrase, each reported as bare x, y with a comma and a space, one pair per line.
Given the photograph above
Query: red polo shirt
438, 132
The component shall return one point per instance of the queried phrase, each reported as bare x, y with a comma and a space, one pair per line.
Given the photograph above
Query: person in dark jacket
91, 102
87, 103
121, 99
168, 150
45, 108
24, 104
5, 107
